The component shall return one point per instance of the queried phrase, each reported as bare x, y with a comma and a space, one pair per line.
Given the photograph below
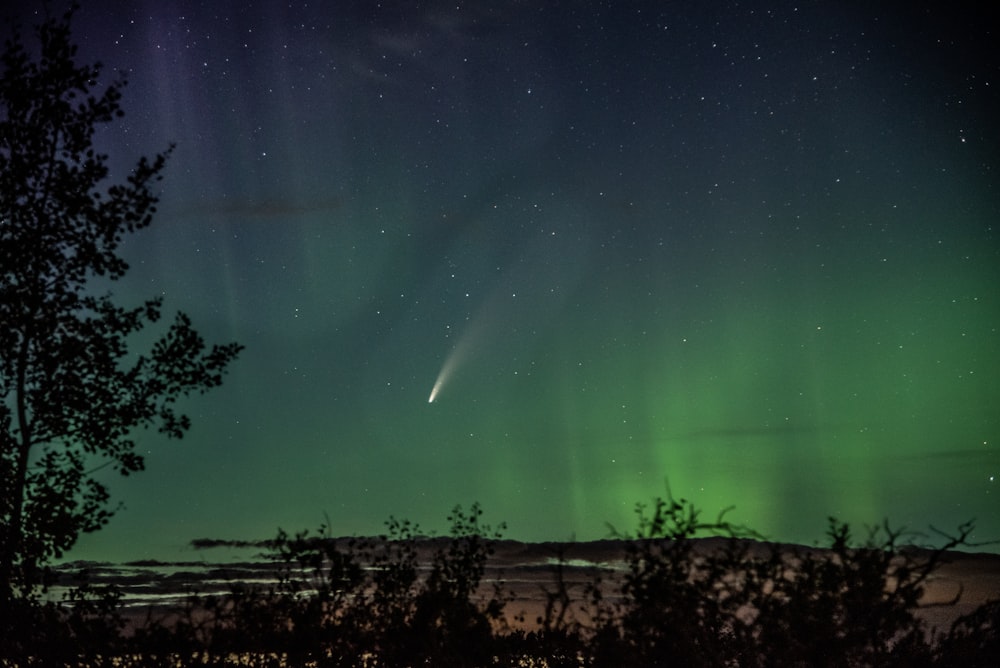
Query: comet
455, 358
479, 330
437, 388
447, 369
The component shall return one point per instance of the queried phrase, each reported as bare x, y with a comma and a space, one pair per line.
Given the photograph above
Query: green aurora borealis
748, 249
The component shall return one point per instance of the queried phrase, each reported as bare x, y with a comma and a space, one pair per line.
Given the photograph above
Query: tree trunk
12, 540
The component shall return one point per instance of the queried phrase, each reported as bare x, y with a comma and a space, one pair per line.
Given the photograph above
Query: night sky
750, 248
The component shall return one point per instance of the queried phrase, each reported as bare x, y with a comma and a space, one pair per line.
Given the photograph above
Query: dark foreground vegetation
377, 602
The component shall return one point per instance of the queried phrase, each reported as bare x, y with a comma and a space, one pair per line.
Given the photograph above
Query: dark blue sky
749, 247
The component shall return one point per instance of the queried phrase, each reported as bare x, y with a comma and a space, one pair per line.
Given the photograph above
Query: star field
748, 248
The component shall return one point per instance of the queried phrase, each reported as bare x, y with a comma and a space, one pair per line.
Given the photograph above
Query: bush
690, 593
742, 602
348, 602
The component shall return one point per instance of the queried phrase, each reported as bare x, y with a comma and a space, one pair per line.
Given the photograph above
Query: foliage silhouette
338, 600
748, 603
72, 390
850, 604
973, 640
676, 604
681, 597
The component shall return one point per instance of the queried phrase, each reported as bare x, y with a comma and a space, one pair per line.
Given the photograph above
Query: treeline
372, 602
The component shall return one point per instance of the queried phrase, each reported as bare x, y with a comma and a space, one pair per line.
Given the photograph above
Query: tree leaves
70, 387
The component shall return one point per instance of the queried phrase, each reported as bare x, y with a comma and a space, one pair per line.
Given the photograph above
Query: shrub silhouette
690, 592
81, 628
445, 620
677, 605
844, 604
974, 639
748, 603
349, 602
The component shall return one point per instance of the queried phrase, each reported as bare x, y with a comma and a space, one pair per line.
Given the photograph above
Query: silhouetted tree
71, 390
